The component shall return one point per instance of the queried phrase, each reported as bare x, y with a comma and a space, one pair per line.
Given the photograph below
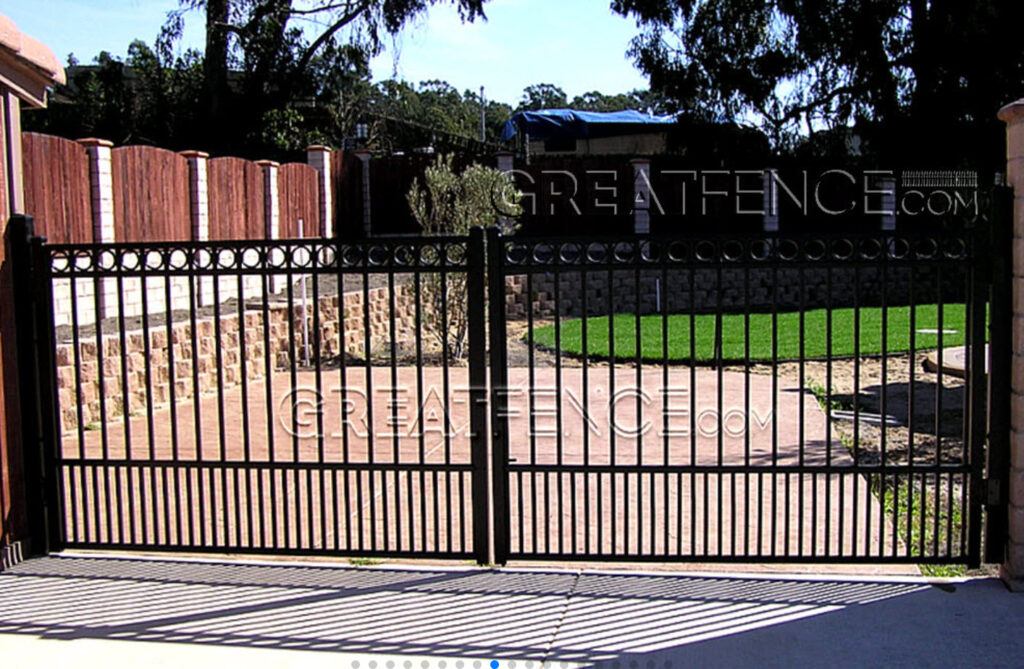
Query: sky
579, 45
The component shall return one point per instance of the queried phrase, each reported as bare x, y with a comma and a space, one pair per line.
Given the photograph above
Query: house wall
1012, 569
638, 145
27, 68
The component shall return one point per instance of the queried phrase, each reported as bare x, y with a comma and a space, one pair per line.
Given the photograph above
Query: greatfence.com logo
543, 412
766, 192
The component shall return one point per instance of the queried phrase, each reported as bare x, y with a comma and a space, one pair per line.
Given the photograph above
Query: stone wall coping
89, 142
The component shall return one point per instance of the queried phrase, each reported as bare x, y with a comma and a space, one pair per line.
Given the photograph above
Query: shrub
451, 204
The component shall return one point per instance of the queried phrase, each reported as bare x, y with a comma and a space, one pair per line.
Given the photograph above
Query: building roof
27, 65
546, 124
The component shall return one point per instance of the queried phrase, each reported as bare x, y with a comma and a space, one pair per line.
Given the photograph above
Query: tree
637, 99
907, 71
543, 96
269, 42
147, 98
452, 204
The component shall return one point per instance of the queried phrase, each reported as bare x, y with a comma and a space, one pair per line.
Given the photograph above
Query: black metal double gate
707, 399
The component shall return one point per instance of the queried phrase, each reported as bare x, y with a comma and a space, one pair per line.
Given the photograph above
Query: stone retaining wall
705, 290
91, 371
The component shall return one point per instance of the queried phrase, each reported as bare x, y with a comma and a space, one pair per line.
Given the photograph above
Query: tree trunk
215, 69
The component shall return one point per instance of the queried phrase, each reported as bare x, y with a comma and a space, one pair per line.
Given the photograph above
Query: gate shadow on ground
897, 403
600, 618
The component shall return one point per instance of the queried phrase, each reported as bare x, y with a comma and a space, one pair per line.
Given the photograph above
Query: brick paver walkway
399, 416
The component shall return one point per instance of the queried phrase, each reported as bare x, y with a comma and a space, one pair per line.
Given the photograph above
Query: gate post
475, 308
1000, 362
1012, 570
498, 395
33, 321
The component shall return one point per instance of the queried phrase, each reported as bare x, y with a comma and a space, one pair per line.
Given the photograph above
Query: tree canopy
919, 78
278, 47
550, 96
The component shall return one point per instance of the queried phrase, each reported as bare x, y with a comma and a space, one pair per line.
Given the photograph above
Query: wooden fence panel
347, 186
57, 189
236, 197
392, 177
298, 189
151, 195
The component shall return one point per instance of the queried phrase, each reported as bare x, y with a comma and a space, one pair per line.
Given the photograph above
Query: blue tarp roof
548, 124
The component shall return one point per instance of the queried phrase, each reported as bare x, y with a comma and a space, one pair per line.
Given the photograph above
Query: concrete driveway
101, 611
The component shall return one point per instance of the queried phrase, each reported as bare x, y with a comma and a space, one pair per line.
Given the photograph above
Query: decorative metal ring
570, 253
732, 250
842, 249
788, 250
516, 253
624, 252
705, 251
815, 249
597, 252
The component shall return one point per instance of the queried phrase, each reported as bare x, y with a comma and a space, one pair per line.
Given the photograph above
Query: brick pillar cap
191, 153
504, 153
318, 147
641, 161
363, 152
268, 163
1012, 111
94, 141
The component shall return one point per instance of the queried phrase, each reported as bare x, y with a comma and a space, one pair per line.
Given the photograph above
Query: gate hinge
993, 492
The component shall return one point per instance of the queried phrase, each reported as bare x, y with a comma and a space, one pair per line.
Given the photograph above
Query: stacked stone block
731, 289
104, 357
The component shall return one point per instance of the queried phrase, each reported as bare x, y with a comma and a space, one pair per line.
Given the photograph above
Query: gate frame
37, 387
986, 407
986, 417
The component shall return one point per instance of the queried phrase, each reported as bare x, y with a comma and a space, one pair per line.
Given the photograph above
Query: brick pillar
505, 161
770, 207
887, 186
641, 195
272, 212
102, 203
1012, 570
364, 158
319, 158
199, 199
271, 209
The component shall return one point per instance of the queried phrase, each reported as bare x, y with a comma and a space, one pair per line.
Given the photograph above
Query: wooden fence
237, 199
89, 191
57, 187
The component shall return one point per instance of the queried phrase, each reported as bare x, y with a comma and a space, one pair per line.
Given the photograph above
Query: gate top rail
421, 254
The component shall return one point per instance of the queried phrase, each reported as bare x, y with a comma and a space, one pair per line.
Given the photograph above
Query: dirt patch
931, 432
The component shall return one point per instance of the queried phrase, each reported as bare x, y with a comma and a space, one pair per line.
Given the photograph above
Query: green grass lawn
734, 337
